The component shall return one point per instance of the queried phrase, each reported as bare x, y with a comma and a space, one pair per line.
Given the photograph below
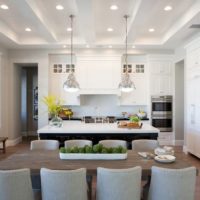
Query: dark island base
96, 137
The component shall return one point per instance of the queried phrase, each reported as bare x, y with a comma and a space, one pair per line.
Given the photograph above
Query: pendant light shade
71, 85
126, 85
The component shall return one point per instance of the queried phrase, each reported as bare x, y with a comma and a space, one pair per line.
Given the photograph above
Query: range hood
116, 92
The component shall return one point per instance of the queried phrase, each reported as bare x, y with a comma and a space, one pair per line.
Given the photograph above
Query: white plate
165, 158
161, 151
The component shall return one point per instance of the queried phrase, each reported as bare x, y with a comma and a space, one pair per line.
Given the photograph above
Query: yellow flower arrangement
53, 104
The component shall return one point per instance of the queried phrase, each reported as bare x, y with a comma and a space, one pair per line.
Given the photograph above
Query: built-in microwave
163, 123
161, 105
161, 113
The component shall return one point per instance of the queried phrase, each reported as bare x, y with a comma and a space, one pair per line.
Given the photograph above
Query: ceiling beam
86, 20
43, 20
132, 16
7, 32
180, 23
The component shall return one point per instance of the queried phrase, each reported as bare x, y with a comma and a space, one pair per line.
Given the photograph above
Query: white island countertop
81, 127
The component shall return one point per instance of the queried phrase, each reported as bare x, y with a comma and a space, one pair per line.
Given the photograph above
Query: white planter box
93, 156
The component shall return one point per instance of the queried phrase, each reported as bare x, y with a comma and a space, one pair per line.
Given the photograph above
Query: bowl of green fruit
95, 152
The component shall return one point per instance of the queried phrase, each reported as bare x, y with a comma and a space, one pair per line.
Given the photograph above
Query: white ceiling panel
92, 18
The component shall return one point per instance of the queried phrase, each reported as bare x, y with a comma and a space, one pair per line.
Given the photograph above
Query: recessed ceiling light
69, 29
133, 46
113, 7
151, 30
64, 46
110, 46
87, 46
28, 29
167, 8
59, 7
109, 29
4, 7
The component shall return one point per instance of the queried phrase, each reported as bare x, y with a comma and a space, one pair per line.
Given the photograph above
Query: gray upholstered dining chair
15, 185
113, 143
44, 145
144, 145
172, 184
118, 184
63, 184
78, 143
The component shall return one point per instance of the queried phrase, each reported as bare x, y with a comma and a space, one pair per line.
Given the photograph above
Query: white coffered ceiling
93, 17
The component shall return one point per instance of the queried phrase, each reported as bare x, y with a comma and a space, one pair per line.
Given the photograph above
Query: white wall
179, 101
3, 92
103, 105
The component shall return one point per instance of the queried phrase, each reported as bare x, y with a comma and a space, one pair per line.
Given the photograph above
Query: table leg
4, 146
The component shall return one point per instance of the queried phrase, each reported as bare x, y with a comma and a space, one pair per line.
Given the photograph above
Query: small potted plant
54, 108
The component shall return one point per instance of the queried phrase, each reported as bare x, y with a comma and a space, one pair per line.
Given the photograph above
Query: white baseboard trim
178, 142
14, 141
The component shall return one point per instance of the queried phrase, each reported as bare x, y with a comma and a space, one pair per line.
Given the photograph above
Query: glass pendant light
126, 84
71, 85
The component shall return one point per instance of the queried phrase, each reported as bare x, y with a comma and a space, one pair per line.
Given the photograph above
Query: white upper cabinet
138, 96
59, 70
160, 76
98, 73
193, 59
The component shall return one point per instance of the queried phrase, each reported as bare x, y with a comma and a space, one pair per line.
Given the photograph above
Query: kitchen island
96, 132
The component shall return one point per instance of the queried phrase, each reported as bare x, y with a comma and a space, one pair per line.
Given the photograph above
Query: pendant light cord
126, 17
71, 16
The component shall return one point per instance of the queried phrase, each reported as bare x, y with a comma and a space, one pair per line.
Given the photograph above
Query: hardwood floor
26, 144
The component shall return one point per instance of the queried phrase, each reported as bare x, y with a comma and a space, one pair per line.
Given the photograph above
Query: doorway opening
179, 103
29, 99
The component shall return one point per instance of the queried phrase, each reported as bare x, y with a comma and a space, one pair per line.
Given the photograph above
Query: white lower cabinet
165, 138
138, 96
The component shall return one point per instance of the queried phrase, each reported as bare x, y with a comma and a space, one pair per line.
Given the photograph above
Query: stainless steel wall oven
161, 113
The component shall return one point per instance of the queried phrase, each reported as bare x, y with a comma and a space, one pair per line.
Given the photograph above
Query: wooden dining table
37, 159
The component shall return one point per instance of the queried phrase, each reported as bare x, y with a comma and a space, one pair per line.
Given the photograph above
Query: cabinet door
160, 85
160, 67
56, 82
55, 85
193, 59
68, 98
193, 112
137, 96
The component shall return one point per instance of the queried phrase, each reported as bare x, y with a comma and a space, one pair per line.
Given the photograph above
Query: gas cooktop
94, 119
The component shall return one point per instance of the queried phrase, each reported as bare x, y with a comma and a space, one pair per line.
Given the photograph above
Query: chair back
172, 184
63, 184
144, 145
78, 143
15, 185
44, 145
118, 184
113, 143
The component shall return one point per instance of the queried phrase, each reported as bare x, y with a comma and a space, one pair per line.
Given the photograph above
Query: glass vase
55, 121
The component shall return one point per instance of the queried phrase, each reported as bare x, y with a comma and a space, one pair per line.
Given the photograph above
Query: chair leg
146, 189
89, 183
